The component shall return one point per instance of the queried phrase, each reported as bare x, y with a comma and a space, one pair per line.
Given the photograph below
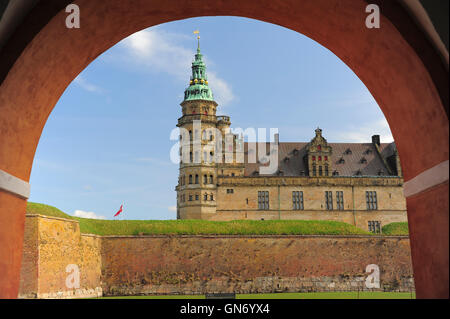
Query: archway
408, 94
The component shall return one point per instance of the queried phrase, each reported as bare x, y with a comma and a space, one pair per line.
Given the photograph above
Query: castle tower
196, 189
318, 156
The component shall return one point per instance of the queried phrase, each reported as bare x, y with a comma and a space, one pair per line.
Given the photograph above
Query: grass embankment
399, 228
204, 227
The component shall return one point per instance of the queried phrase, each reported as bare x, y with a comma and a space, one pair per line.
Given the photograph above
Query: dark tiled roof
291, 159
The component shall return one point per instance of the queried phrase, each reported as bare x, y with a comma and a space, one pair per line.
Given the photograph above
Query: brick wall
50, 245
133, 265
251, 264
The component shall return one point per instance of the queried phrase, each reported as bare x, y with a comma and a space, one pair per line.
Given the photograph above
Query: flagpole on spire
198, 39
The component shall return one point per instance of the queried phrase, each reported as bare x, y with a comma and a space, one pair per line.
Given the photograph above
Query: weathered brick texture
136, 265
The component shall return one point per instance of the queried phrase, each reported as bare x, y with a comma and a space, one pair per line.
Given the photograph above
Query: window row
196, 197
205, 135
194, 179
323, 170
297, 200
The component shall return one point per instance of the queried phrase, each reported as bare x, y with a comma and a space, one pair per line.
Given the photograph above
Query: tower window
371, 200
211, 179
263, 200
320, 170
329, 200
190, 179
196, 179
205, 197
340, 200
205, 179
196, 196
297, 200
212, 197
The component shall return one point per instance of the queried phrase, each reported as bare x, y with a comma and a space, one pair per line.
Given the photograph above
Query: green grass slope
399, 228
202, 227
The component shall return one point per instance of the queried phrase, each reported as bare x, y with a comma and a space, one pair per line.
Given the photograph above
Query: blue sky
107, 140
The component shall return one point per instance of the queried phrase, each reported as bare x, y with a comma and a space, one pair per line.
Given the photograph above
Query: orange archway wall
382, 59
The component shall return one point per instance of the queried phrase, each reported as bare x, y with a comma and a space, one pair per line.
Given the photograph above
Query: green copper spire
198, 85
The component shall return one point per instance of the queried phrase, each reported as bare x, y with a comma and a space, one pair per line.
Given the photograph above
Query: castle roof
348, 159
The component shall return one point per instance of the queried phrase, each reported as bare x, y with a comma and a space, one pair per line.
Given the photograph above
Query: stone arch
39, 66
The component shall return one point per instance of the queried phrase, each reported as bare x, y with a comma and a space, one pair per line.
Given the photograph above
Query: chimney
376, 139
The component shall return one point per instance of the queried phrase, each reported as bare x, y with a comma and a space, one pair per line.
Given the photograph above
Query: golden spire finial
198, 39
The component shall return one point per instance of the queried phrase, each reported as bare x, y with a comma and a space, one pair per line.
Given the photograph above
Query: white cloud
160, 51
172, 208
364, 131
86, 85
83, 214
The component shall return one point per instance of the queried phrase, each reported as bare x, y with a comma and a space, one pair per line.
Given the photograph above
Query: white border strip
14, 185
431, 177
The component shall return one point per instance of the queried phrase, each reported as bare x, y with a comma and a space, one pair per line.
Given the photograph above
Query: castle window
295, 152
204, 135
205, 179
263, 200
348, 151
211, 156
190, 198
210, 136
297, 200
319, 147
232, 174
205, 197
329, 200
190, 135
363, 160
335, 173
313, 158
371, 200
196, 179
341, 160
211, 179
340, 200
374, 226
190, 157
326, 170
358, 172
326, 158
320, 170
314, 170
368, 151
230, 191
190, 179
212, 197
320, 158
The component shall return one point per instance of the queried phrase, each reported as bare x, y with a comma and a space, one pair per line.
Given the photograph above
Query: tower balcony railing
223, 118
188, 118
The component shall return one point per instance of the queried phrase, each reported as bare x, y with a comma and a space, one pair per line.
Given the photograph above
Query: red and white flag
119, 211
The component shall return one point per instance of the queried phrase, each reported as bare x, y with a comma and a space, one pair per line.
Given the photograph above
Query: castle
224, 178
